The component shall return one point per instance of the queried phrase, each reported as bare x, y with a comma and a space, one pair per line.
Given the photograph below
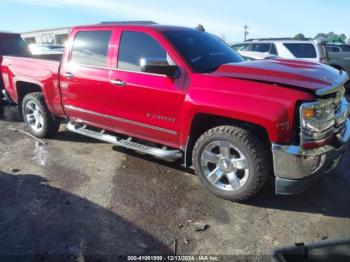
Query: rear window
91, 48
301, 50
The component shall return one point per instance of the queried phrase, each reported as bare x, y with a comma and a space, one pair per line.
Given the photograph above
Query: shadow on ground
43, 222
9, 113
69, 136
330, 196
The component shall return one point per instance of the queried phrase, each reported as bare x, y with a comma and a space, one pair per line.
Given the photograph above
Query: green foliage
332, 37
299, 36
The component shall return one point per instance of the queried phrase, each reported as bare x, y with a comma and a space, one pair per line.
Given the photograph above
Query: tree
200, 28
299, 36
349, 41
321, 36
342, 37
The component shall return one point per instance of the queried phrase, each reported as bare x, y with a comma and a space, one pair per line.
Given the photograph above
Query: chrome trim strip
121, 120
116, 69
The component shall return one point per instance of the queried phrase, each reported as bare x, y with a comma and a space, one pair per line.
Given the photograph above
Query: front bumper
296, 169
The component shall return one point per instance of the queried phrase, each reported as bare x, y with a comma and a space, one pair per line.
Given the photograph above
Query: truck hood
308, 76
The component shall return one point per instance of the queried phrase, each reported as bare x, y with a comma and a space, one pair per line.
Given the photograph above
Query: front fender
270, 106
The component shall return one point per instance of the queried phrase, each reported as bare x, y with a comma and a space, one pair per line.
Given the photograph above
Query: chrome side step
162, 153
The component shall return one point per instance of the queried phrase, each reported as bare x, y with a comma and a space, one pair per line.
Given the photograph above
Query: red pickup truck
181, 94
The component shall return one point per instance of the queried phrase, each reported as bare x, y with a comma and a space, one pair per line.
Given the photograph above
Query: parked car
283, 47
290, 48
10, 44
338, 48
180, 94
339, 56
45, 49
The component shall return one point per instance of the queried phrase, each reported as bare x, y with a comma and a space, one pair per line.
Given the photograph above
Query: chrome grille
331, 112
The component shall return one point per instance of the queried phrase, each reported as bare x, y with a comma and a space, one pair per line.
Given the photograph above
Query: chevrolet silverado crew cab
181, 94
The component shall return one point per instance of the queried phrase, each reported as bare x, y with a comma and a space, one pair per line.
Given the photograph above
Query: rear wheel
231, 162
38, 117
1, 106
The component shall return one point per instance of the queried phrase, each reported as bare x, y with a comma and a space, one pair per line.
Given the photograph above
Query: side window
244, 47
336, 49
273, 50
91, 48
137, 45
263, 48
345, 48
301, 50
333, 49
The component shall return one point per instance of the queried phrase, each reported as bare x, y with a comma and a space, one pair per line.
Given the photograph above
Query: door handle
120, 83
68, 75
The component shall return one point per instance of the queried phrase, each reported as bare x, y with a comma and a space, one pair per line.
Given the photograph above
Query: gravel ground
79, 197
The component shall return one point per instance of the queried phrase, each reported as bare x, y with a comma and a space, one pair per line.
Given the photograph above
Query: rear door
84, 77
145, 105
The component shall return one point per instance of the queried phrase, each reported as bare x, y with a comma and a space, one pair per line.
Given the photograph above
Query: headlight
317, 116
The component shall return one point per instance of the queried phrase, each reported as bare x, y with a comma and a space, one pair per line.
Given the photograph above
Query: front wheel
38, 117
231, 162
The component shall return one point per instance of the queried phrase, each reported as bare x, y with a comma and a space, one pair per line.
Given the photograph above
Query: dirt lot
77, 196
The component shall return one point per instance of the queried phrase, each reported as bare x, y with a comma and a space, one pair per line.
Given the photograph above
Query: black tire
1, 107
50, 124
255, 153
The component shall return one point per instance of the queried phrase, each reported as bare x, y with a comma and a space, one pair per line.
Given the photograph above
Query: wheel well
203, 122
23, 89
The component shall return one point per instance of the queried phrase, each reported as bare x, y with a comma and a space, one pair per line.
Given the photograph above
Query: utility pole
245, 32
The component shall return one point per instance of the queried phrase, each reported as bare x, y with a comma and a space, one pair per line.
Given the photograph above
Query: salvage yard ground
78, 196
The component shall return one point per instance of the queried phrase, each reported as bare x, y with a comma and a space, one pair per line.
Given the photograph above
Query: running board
162, 153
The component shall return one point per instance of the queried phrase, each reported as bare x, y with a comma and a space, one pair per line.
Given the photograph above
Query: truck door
145, 105
84, 77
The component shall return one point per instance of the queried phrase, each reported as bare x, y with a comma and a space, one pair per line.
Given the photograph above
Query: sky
265, 18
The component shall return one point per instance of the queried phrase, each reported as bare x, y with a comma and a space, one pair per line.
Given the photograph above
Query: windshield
204, 52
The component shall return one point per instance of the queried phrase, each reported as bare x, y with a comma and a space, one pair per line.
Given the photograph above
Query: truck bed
43, 72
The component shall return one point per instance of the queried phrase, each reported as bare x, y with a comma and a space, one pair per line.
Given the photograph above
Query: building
57, 36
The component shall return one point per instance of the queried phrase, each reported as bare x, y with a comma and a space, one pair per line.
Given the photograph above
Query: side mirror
159, 66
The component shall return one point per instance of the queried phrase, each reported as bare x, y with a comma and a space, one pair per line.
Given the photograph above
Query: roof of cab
135, 24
